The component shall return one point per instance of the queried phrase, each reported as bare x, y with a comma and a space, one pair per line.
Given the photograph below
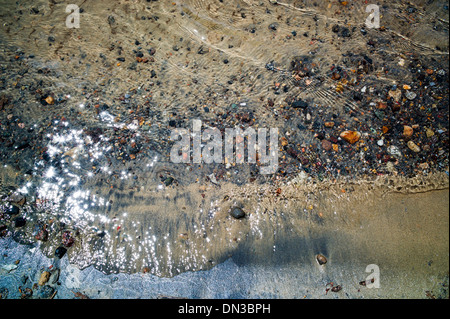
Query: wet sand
86, 116
406, 237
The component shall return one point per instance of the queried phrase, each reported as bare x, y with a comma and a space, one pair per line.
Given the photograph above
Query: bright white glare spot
50, 172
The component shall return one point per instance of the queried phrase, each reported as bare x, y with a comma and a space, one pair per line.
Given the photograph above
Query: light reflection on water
169, 230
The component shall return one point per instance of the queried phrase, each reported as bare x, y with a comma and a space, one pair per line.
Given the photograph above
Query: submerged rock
410, 95
321, 259
13, 210
168, 181
299, 104
60, 252
327, 145
19, 222
413, 147
45, 276
407, 131
351, 136
237, 213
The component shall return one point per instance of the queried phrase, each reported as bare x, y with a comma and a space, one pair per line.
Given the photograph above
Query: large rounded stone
237, 213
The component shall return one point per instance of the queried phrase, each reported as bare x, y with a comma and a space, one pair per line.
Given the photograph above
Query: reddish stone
326, 145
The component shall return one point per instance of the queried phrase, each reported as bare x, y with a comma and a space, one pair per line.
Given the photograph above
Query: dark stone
168, 181
60, 252
121, 59
13, 210
299, 104
202, 50
273, 26
345, 32
357, 96
237, 213
19, 222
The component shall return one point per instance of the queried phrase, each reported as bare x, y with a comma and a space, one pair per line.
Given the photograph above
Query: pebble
381, 105
329, 124
54, 276
60, 252
42, 235
308, 118
407, 131
423, 166
413, 147
321, 259
273, 26
213, 179
17, 199
237, 213
410, 95
380, 142
10, 267
13, 210
3, 293
19, 222
45, 276
351, 136
394, 150
395, 94
50, 100
429, 133
168, 181
299, 104
327, 145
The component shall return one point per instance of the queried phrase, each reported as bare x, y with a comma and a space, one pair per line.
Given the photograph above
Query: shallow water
82, 173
